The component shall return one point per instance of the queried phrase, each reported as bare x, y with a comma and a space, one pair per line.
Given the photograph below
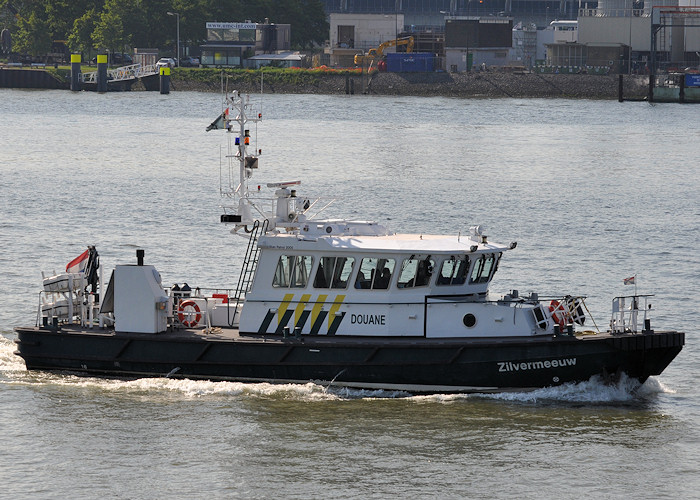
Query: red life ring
181, 313
558, 313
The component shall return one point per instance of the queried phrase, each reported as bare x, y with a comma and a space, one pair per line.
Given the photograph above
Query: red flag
78, 264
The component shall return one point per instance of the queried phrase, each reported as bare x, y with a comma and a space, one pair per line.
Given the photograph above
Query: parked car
189, 62
121, 58
116, 58
165, 62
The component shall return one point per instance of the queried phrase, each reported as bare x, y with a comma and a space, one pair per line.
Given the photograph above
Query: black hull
415, 365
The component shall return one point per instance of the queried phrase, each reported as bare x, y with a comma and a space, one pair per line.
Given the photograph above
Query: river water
593, 191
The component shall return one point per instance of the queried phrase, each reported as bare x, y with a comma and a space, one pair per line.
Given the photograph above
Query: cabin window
415, 272
454, 271
484, 268
375, 274
333, 272
292, 271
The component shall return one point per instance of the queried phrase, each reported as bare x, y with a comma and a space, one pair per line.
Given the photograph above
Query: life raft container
574, 306
186, 310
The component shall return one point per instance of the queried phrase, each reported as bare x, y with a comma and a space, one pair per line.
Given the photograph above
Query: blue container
692, 80
409, 62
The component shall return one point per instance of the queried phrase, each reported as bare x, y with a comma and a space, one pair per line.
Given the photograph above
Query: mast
283, 213
239, 110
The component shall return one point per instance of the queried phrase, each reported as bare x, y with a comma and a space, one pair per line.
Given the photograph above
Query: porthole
469, 320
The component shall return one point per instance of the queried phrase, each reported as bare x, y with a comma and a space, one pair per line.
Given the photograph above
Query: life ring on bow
558, 313
181, 313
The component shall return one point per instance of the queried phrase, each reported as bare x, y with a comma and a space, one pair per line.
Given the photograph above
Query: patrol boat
338, 302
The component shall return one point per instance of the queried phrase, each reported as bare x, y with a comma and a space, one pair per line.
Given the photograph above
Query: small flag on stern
629, 281
78, 264
220, 122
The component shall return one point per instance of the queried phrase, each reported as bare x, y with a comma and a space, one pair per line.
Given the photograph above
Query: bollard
102, 72
76, 83
164, 80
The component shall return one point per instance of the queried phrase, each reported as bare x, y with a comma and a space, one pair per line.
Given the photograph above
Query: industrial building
601, 36
229, 44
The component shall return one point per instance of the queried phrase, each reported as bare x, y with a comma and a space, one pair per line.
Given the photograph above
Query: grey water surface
592, 191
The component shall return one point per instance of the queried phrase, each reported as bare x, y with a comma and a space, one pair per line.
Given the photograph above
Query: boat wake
593, 391
9, 362
13, 371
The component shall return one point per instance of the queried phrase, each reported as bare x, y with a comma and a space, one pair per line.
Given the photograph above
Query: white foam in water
594, 390
9, 362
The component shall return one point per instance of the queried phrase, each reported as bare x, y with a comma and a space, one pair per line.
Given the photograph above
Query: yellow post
164, 72
75, 79
102, 72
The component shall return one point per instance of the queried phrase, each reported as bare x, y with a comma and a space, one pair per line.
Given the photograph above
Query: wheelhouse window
454, 271
484, 268
333, 272
375, 274
415, 272
292, 271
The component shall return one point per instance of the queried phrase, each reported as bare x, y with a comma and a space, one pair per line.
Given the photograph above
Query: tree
311, 28
32, 35
109, 31
61, 15
80, 37
306, 17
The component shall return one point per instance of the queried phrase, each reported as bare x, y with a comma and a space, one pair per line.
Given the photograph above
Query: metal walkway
123, 73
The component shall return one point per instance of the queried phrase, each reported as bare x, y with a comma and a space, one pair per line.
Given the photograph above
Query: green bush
291, 76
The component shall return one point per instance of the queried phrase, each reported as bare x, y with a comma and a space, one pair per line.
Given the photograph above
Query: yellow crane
373, 54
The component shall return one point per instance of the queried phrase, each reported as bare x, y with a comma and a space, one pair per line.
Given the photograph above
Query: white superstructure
313, 276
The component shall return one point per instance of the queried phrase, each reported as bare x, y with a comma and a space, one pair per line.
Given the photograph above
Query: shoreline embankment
478, 84
463, 85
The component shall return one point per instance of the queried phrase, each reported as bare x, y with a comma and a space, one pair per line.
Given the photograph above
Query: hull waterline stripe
302, 320
334, 309
282, 311
300, 307
316, 325
285, 320
266, 322
317, 309
336, 323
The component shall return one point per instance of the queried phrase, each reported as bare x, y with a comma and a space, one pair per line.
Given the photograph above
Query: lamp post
396, 20
178, 35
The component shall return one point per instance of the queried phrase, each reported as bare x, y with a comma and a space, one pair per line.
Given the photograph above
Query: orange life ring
181, 313
558, 313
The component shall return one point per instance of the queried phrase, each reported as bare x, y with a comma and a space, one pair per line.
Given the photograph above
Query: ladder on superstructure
250, 264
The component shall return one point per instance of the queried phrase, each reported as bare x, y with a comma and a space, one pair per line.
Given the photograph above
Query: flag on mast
630, 281
78, 264
220, 121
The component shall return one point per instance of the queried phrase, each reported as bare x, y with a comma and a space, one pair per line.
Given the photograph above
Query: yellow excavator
373, 55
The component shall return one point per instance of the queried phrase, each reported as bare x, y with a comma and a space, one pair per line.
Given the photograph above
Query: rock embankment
476, 84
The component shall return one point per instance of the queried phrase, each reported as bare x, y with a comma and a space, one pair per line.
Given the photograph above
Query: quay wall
16, 78
476, 84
